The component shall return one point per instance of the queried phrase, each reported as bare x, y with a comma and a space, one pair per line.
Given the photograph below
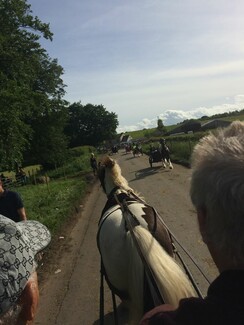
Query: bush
80, 151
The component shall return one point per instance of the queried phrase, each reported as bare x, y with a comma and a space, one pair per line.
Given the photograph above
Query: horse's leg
163, 162
170, 164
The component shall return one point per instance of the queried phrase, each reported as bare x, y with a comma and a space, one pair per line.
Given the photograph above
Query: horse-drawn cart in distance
155, 156
160, 154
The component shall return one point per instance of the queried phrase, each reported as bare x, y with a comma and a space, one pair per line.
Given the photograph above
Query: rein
182, 247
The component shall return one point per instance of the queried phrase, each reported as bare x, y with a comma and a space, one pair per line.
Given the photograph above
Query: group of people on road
137, 149
217, 192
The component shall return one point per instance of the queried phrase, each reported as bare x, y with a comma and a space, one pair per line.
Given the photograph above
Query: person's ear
202, 221
30, 299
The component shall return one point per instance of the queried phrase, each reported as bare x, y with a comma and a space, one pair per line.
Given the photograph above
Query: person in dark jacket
11, 204
217, 192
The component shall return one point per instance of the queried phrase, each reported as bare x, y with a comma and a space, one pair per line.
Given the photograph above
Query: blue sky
149, 59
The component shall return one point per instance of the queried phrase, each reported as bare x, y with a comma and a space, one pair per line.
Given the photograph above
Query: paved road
70, 293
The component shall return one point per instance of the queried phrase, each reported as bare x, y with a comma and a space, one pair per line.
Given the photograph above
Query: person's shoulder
12, 193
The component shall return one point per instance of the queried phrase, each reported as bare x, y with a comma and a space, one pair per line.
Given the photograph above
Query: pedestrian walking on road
93, 163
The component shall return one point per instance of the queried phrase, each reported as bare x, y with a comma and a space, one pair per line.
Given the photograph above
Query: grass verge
53, 203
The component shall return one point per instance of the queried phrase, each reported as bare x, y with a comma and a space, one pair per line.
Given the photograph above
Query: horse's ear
108, 162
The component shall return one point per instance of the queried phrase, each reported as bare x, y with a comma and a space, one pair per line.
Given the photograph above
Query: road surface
70, 274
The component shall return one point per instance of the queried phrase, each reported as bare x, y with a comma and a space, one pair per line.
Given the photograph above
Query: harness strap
111, 194
183, 248
101, 307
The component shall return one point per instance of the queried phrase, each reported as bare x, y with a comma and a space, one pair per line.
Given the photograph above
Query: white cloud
172, 116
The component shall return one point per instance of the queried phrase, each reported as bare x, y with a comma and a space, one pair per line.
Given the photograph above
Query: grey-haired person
217, 192
20, 242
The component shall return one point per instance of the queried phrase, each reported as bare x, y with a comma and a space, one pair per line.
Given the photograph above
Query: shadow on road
110, 320
145, 172
132, 157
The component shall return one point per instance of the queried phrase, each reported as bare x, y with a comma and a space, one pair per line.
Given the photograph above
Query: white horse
123, 264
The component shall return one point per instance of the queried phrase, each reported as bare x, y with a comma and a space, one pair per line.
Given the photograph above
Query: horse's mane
118, 178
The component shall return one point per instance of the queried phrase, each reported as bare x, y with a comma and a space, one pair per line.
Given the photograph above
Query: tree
90, 124
49, 143
31, 87
161, 128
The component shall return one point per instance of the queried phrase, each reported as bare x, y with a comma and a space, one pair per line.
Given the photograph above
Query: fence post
34, 176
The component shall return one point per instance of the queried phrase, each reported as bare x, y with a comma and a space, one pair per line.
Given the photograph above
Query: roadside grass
53, 203
181, 152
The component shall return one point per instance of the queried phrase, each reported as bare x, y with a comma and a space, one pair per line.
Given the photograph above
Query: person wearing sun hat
20, 242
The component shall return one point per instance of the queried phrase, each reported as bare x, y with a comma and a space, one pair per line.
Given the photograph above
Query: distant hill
230, 116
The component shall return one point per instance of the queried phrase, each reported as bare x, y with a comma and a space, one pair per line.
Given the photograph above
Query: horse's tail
171, 280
